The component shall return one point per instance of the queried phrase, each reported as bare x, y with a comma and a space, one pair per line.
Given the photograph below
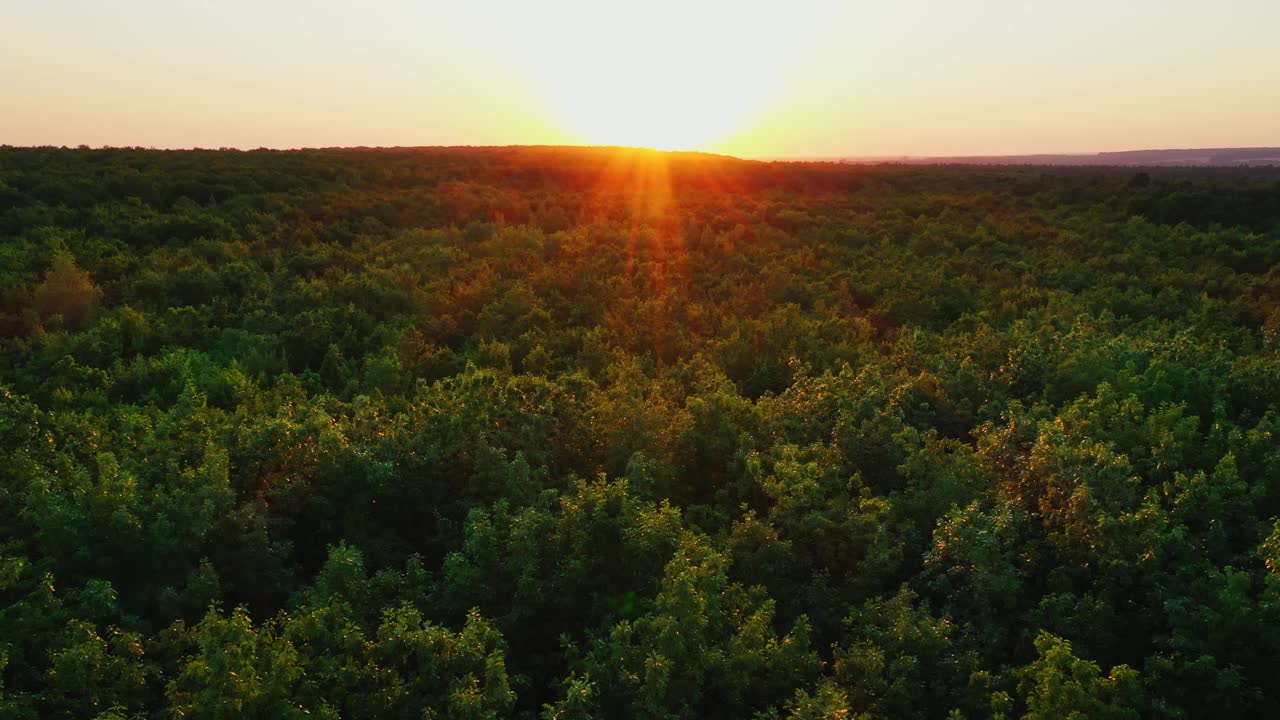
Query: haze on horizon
814, 78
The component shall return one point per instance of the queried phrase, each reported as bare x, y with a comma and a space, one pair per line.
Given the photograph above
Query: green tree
67, 297
1060, 685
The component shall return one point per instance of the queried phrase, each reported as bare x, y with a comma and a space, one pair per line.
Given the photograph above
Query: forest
571, 433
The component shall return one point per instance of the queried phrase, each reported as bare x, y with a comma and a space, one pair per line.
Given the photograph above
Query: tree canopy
609, 433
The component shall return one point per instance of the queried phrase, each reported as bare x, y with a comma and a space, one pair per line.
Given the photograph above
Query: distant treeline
1202, 157
610, 433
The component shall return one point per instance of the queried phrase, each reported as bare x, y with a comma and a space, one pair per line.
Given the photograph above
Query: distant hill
1196, 157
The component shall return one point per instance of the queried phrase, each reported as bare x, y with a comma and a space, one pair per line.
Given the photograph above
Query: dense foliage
602, 433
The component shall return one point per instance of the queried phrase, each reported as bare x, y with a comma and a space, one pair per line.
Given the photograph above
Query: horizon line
836, 157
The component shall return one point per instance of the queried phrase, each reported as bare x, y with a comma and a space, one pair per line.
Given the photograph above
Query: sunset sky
776, 79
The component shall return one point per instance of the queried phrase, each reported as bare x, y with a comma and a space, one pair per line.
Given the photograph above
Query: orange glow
805, 78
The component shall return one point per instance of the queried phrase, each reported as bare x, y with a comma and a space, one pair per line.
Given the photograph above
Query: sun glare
663, 76
650, 101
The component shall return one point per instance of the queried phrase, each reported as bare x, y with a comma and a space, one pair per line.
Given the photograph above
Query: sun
671, 76
667, 102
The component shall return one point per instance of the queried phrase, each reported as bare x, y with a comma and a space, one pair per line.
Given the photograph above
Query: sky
791, 78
